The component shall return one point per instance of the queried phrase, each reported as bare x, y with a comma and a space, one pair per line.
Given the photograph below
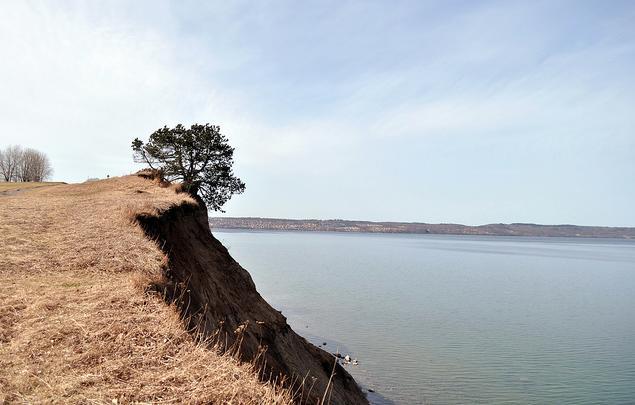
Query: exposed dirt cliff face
221, 299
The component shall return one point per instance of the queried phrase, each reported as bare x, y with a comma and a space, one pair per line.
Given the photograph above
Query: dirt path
7, 189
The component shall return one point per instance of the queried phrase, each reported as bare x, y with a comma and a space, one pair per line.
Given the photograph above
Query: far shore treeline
18, 164
340, 225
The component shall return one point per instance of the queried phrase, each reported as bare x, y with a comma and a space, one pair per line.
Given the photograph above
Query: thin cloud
352, 93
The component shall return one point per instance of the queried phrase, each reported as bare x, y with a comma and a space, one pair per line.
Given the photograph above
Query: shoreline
373, 394
419, 228
433, 235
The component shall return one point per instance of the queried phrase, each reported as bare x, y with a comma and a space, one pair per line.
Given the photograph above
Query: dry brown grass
76, 322
24, 186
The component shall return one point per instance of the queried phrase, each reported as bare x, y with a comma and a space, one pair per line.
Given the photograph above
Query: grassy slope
76, 322
24, 186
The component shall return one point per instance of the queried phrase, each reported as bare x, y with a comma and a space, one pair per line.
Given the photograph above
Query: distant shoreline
338, 225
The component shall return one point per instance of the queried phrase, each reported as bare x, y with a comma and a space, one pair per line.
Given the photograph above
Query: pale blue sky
470, 112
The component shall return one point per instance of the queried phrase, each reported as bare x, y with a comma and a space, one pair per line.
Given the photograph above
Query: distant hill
338, 225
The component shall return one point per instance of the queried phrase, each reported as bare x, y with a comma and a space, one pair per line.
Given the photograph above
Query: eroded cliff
221, 301
78, 323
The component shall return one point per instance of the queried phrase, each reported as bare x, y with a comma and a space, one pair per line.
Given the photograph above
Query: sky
450, 111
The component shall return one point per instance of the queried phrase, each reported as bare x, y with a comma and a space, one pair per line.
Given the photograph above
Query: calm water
453, 319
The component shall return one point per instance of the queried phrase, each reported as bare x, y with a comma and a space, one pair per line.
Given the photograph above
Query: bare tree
24, 166
35, 166
17, 164
41, 168
10, 160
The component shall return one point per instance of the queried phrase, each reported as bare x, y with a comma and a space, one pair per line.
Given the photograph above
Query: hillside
94, 295
339, 225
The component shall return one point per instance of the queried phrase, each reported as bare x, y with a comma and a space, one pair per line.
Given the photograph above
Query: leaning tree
199, 157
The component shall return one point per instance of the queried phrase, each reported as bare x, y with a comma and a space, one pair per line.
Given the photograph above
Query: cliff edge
221, 300
98, 278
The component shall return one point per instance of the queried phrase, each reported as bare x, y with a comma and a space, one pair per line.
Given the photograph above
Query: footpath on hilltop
116, 290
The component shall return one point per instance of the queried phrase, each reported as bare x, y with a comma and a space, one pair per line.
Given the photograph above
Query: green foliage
199, 157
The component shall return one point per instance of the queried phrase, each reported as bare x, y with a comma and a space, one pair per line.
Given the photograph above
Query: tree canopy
200, 157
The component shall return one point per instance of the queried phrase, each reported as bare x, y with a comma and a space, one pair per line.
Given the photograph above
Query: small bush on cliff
199, 157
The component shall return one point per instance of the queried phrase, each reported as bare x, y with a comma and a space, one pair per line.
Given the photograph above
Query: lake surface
458, 319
